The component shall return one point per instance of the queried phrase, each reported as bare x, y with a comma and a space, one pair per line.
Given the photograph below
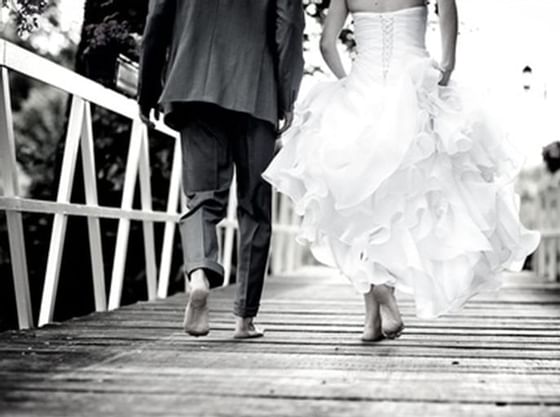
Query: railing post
90, 175
279, 249
551, 244
50, 286
292, 247
540, 256
138, 163
147, 226
123, 231
170, 227
229, 232
183, 207
14, 219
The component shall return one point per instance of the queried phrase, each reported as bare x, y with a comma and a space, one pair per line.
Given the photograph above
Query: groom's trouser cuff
210, 267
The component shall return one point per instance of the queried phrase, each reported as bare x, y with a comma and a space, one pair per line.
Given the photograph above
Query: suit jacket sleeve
290, 23
155, 43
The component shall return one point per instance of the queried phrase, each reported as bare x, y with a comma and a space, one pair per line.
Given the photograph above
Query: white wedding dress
397, 180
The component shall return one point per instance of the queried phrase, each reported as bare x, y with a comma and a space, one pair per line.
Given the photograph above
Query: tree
110, 28
316, 8
26, 13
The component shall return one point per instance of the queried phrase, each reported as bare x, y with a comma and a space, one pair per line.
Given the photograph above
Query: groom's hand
145, 115
287, 121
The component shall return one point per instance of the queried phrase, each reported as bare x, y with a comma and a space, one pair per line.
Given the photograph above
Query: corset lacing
388, 29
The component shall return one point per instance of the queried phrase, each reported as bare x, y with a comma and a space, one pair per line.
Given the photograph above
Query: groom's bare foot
246, 329
372, 326
196, 313
392, 324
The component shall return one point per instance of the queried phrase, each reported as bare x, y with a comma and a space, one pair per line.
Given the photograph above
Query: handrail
548, 204
79, 138
20, 60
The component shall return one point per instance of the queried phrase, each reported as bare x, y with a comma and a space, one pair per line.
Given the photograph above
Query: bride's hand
288, 120
445, 77
278, 145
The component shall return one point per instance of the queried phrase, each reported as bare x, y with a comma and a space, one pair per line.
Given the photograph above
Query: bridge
499, 356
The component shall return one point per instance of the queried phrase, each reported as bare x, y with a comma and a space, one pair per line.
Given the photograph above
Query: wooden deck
497, 358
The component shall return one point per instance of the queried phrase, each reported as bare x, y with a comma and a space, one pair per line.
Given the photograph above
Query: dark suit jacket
243, 55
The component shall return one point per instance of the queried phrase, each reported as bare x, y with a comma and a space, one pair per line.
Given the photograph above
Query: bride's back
382, 6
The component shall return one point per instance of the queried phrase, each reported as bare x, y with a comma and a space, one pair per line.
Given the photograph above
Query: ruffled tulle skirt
402, 183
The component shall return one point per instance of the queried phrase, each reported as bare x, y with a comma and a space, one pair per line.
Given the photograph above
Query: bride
401, 183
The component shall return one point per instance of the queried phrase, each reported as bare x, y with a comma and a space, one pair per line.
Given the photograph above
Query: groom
226, 74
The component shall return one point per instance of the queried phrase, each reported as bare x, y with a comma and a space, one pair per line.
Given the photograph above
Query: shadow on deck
499, 357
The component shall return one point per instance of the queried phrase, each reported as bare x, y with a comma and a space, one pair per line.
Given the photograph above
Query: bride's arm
333, 24
449, 30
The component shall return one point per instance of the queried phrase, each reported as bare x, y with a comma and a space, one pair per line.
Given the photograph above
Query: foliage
316, 8
110, 28
26, 13
38, 132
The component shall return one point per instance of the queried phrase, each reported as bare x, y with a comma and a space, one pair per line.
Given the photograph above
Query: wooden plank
119, 403
312, 384
79, 357
220, 341
499, 356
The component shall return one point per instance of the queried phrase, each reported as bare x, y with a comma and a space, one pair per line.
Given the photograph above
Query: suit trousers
214, 141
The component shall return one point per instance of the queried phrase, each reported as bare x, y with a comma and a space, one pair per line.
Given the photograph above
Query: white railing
548, 210
286, 255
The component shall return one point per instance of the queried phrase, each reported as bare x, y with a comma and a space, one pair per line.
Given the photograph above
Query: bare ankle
198, 279
243, 322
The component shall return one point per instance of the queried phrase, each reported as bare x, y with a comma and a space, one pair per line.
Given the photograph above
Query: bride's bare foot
246, 329
392, 324
195, 321
372, 325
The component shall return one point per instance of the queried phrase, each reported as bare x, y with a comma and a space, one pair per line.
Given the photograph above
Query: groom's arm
290, 23
155, 42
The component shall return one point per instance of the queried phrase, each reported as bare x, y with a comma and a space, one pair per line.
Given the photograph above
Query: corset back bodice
384, 40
